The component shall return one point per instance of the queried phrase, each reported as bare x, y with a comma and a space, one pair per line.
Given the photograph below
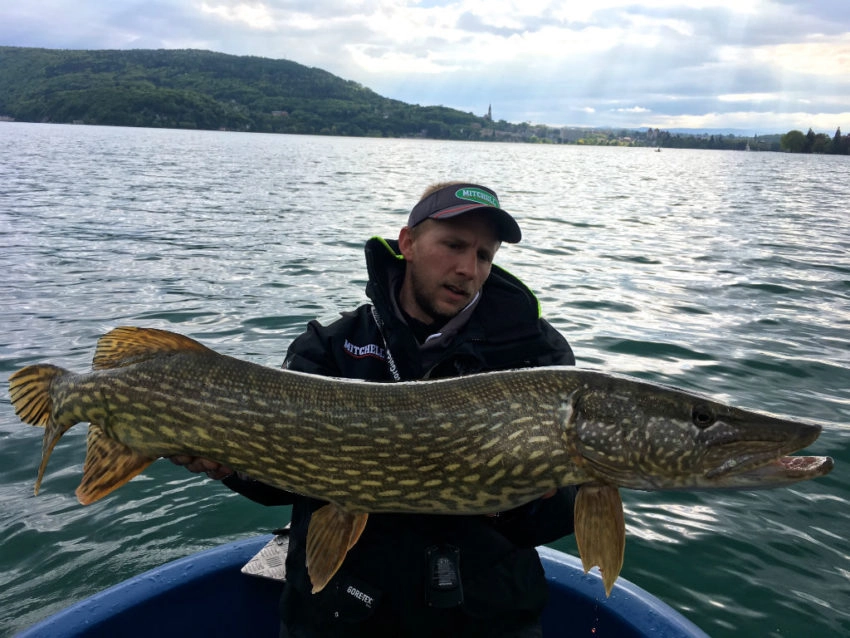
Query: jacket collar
504, 303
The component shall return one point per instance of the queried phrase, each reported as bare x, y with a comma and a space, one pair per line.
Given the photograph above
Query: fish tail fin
127, 345
109, 464
29, 389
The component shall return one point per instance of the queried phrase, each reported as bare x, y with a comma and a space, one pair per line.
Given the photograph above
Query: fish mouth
761, 452
756, 473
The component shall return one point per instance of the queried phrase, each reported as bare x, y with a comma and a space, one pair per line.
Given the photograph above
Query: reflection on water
671, 522
727, 273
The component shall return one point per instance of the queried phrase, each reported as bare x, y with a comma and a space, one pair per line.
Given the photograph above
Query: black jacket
504, 332
501, 573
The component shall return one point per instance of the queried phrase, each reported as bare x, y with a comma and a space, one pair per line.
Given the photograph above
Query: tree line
208, 90
796, 142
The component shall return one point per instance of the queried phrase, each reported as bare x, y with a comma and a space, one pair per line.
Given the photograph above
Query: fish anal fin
600, 530
332, 532
109, 464
127, 345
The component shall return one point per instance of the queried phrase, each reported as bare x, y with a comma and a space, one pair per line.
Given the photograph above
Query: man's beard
427, 306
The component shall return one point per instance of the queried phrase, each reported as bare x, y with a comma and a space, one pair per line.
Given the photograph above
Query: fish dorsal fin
127, 345
108, 465
332, 532
600, 530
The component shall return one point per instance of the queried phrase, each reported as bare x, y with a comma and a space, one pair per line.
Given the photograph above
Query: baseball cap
457, 199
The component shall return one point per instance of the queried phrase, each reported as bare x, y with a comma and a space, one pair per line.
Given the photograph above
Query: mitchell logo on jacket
369, 350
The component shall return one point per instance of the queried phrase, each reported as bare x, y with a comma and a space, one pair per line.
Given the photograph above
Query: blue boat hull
206, 595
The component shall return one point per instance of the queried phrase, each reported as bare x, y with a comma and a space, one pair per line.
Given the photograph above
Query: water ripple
727, 273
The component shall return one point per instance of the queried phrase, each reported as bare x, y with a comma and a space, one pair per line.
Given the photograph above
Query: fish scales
172, 405
471, 445
459, 445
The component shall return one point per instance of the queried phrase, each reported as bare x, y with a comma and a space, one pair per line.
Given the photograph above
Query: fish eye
702, 416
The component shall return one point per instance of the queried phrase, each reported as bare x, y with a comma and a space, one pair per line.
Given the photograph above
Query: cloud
633, 109
818, 55
254, 15
768, 63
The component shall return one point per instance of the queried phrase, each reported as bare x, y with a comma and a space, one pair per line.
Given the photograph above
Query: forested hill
207, 90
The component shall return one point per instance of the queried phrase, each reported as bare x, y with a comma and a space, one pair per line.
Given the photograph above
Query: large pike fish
477, 444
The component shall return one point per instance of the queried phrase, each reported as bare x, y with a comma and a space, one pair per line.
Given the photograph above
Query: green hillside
207, 90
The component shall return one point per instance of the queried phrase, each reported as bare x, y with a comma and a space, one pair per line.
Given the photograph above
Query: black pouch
514, 583
443, 588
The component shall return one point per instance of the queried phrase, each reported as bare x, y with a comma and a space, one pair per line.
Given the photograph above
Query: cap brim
509, 230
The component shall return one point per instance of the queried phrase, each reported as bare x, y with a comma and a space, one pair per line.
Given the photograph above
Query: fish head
645, 436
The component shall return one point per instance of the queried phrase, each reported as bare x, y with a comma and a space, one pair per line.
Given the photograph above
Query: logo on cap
478, 196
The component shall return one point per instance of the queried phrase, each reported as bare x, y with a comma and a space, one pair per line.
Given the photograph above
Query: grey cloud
681, 75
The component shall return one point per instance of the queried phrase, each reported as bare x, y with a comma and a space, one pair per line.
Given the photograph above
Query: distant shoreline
204, 90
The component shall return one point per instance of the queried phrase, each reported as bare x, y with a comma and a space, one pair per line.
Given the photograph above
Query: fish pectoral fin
600, 530
332, 532
127, 345
108, 465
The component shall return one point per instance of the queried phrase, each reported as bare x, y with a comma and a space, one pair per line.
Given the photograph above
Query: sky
753, 66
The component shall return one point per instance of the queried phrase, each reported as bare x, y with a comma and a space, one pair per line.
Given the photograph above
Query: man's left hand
197, 464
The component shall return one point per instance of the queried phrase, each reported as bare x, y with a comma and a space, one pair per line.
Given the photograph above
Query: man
439, 309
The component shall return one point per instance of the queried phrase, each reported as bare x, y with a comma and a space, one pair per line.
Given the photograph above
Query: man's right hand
197, 464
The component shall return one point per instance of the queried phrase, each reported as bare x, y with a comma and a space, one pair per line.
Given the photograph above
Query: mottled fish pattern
470, 445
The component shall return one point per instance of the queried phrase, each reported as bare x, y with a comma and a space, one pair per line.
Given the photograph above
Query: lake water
724, 272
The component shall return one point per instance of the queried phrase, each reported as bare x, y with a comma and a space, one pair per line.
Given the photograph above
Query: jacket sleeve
559, 351
311, 352
257, 491
542, 521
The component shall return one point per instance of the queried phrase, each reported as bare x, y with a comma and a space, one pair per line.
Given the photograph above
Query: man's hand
197, 464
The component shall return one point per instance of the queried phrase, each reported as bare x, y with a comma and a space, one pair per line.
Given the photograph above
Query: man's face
447, 263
